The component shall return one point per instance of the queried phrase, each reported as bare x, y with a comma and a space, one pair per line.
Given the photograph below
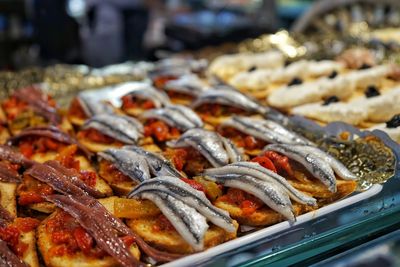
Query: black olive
253, 68
393, 122
333, 74
295, 81
330, 100
371, 91
364, 66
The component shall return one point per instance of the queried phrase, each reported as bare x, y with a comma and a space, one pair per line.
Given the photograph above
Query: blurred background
103, 32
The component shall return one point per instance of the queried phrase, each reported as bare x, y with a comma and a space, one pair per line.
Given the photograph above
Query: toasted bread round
8, 195
261, 217
78, 258
171, 241
74, 120
30, 255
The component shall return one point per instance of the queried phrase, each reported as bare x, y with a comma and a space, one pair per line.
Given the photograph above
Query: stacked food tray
188, 165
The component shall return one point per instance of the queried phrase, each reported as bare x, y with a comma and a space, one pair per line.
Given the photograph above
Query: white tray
201, 257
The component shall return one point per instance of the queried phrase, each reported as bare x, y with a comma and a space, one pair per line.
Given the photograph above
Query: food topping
393, 122
330, 100
372, 91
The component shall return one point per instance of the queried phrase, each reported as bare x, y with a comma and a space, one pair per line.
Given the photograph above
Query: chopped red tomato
265, 162
281, 162
194, 184
96, 136
160, 130
76, 109
163, 224
26, 224
128, 240
13, 107
27, 198
83, 240
26, 149
250, 142
88, 177
129, 101
66, 157
179, 158
247, 202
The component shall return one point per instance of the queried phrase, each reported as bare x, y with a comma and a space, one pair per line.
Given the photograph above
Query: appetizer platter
175, 169
354, 88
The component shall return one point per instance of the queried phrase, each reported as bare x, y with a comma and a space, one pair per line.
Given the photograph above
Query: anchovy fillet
190, 224
159, 166
92, 107
257, 171
122, 128
189, 114
172, 117
265, 130
128, 163
208, 143
233, 152
188, 84
313, 164
230, 98
159, 98
272, 195
190, 196
336, 165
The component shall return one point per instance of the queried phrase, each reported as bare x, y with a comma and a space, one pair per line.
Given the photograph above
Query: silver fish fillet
123, 128
269, 193
92, 106
338, 167
229, 98
128, 163
233, 152
170, 116
159, 98
317, 167
265, 130
189, 114
190, 224
189, 84
257, 171
208, 143
190, 196
159, 166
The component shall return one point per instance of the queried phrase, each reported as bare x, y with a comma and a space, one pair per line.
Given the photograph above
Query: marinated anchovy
73, 176
230, 98
92, 106
159, 166
9, 154
99, 228
37, 100
128, 162
9, 175
172, 117
257, 171
208, 143
159, 98
8, 258
335, 164
190, 196
265, 130
44, 131
122, 128
190, 224
317, 167
233, 152
189, 114
272, 195
188, 84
